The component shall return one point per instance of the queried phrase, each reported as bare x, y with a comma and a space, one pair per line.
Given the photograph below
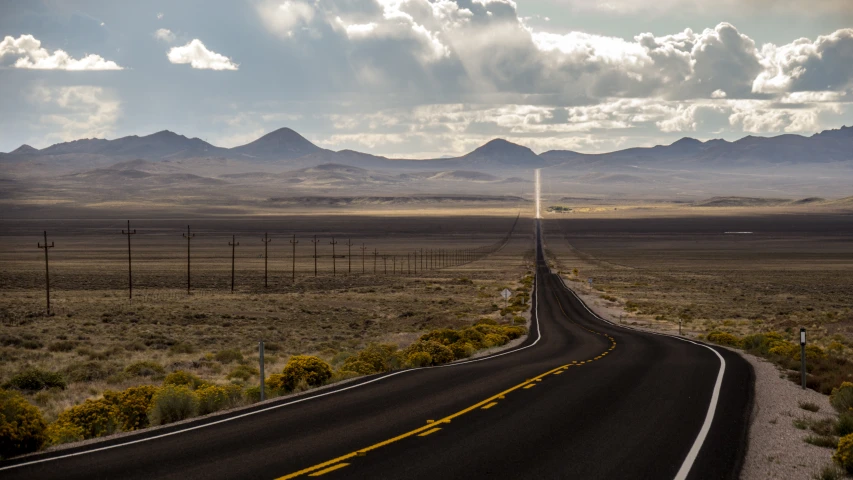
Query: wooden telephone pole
314, 241
46, 270
266, 241
233, 244
189, 236
129, 232
333, 243
349, 256
293, 242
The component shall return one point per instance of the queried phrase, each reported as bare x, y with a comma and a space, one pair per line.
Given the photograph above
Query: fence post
314, 241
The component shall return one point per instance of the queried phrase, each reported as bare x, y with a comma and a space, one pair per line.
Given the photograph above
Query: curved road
580, 398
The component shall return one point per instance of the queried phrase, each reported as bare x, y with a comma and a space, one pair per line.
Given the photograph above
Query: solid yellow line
428, 432
330, 469
530, 386
415, 431
557, 373
489, 406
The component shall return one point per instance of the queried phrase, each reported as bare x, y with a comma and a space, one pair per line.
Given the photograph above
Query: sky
425, 78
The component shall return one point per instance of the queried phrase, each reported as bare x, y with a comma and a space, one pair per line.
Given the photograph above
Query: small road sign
506, 293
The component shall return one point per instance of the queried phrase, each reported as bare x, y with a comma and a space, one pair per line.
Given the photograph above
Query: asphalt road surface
581, 398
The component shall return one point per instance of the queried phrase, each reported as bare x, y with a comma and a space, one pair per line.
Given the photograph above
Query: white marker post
506, 294
803, 357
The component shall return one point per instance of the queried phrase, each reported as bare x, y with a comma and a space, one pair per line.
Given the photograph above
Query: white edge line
715, 396
280, 405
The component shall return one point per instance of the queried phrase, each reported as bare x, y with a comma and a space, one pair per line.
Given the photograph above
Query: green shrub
724, 338
133, 406
519, 320
825, 441
841, 397
243, 372
253, 394
93, 418
145, 369
844, 453
212, 398
88, 371
34, 379
182, 347
180, 377
305, 368
173, 403
844, 425
22, 428
438, 353
228, 356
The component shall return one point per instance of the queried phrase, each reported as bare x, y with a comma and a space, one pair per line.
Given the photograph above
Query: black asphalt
633, 413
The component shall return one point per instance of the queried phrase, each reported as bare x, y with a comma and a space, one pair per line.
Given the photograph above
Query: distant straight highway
580, 398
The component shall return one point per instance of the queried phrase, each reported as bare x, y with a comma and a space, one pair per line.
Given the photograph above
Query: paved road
580, 398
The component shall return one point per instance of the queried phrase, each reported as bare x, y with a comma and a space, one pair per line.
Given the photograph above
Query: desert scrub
212, 398
180, 377
305, 368
418, 359
844, 453
228, 356
173, 403
243, 372
92, 418
88, 371
145, 369
133, 405
22, 428
841, 397
34, 380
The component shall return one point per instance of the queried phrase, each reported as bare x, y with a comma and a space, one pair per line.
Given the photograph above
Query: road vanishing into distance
580, 398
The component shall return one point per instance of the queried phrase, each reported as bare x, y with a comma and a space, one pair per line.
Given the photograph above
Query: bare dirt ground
96, 331
652, 268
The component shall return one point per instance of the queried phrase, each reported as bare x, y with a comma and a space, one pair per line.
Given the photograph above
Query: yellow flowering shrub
419, 359
133, 405
212, 398
172, 403
373, 359
462, 349
275, 383
94, 418
22, 428
305, 368
63, 432
724, 338
844, 453
438, 353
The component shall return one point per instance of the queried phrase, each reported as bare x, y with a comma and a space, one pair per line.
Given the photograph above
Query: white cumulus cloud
80, 111
198, 56
30, 54
165, 35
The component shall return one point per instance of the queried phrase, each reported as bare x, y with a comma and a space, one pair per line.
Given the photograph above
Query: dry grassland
96, 332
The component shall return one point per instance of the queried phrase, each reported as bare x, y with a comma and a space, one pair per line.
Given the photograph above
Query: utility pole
349, 256
394, 265
293, 242
408, 264
46, 270
375, 253
416, 261
266, 241
189, 236
129, 232
362, 258
385, 263
233, 244
314, 241
333, 243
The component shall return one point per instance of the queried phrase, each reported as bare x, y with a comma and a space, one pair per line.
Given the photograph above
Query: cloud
165, 35
284, 18
81, 111
803, 65
30, 54
198, 56
160, 16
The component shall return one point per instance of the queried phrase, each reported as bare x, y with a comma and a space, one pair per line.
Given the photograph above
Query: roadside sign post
506, 293
261, 362
803, 357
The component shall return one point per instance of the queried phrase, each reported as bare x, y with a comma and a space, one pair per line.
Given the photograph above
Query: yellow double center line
432, 426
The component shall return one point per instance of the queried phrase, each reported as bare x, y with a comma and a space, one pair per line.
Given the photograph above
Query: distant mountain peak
283, 142
686, 141
24, 149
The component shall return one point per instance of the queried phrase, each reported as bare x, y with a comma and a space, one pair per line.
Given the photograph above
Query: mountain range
286, 149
